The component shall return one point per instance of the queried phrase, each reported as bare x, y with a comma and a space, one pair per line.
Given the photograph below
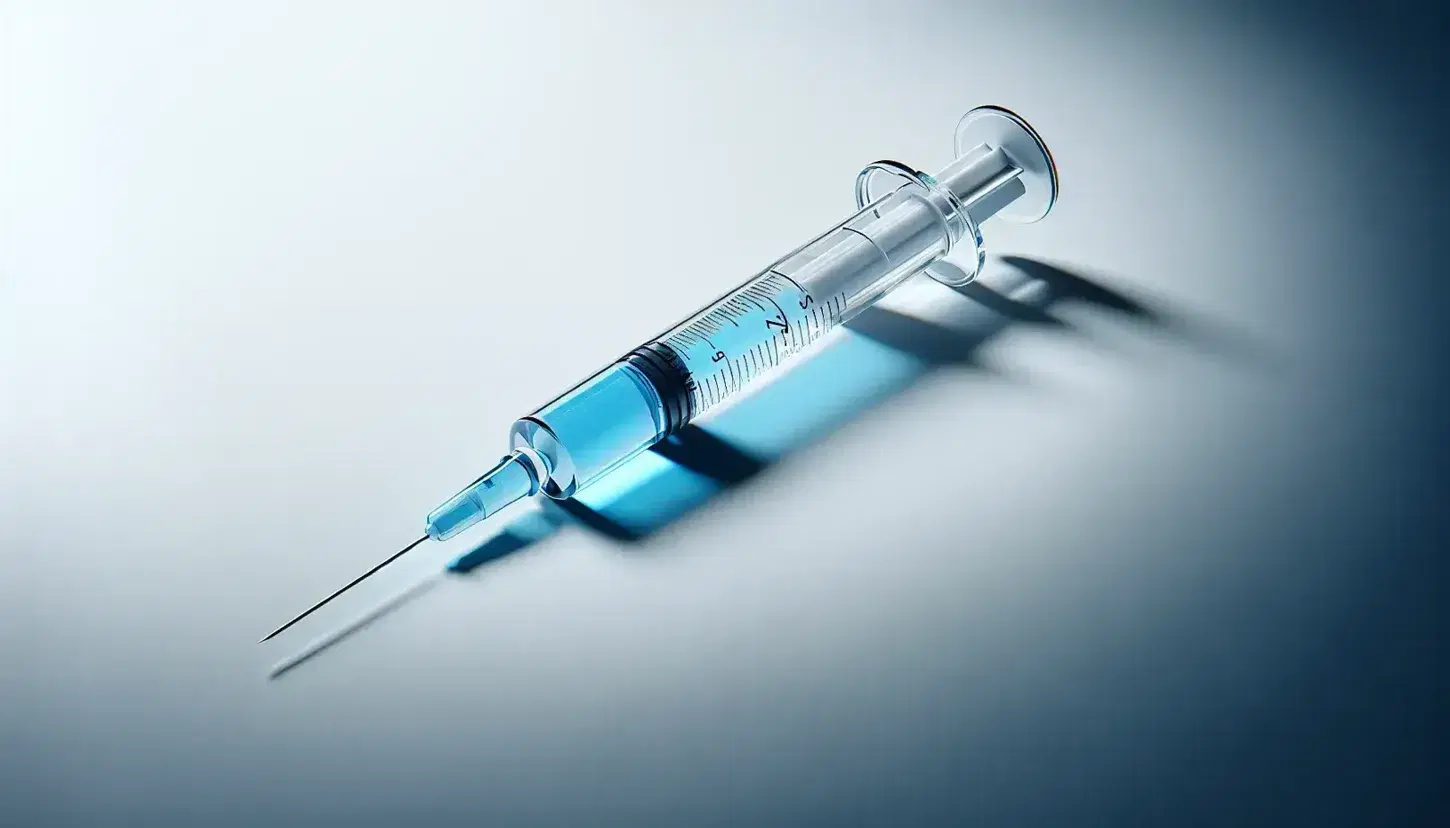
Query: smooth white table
275, 280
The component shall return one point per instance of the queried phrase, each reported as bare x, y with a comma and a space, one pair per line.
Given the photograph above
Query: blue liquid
603, 422
578, 438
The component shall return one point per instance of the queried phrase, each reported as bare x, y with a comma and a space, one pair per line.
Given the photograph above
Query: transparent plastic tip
512, 479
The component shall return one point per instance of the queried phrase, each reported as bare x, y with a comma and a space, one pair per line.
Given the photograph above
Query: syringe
926, 223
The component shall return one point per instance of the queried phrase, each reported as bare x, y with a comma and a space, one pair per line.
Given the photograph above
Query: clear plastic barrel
801, 297
716, 353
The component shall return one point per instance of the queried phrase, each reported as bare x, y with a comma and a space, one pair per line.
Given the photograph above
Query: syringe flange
1002, 168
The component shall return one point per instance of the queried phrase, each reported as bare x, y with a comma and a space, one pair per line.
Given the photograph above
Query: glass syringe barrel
716, 353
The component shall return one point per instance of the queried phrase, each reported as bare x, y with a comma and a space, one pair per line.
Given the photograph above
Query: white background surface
274, 280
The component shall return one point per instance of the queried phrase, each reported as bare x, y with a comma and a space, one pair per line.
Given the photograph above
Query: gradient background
275, 278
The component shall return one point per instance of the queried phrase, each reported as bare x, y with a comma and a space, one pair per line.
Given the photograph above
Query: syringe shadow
884, 352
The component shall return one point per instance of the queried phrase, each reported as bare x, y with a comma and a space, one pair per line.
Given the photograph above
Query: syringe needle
359, 579
513, 478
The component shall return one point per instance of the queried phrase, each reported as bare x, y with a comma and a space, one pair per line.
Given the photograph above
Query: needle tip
317, 606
